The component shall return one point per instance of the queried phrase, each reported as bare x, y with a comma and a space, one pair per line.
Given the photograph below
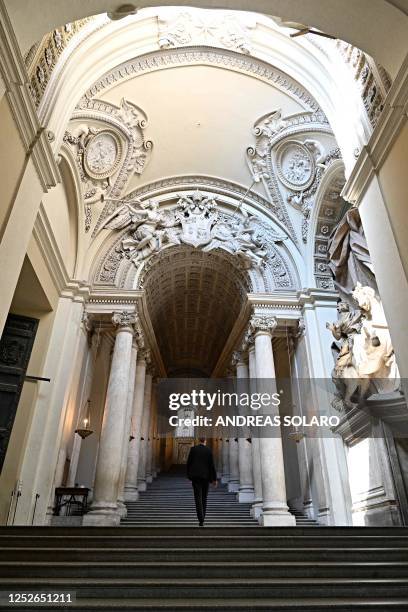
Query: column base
256, 510
131, 494
233, 487
122, 509
141, 486
245, 496
103, 516
277, 520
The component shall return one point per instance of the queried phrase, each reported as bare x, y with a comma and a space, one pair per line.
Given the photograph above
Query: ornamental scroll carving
198, 222
289, 162
109, 146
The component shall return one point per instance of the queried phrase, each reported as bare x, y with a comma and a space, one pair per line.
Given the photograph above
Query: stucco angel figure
249, 243
147, 226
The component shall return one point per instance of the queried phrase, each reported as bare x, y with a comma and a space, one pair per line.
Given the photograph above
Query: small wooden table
76, 497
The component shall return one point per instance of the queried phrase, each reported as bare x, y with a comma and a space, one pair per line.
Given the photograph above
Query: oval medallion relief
102, 155
295, 165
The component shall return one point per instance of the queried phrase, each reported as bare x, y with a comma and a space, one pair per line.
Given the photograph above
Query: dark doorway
15, 349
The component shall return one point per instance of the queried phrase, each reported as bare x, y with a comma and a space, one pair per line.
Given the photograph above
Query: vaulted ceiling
194, 299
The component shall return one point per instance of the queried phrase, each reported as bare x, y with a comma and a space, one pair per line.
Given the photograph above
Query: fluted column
274, 508
141, 475
246, 483
104, 509
256, 509
126, 433
131, 492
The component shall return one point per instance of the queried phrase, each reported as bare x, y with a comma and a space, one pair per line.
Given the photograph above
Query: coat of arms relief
196, 221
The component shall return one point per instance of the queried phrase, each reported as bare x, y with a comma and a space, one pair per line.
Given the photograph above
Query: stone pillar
104, 509
126, 433
274, 508
131, 492
149, 455
246, 483
141, 474
225, 461
233, 482
256, 509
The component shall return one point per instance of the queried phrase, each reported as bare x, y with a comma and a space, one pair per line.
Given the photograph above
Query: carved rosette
262, 324
124, 319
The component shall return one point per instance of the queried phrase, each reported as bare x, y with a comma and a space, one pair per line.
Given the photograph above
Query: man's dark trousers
200, 486
201, 471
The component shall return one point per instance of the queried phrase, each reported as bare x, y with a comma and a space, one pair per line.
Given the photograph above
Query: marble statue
349, 258
365, 360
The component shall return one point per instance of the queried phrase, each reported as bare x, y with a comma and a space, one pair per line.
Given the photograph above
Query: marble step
221, 554
190, 589
165, 569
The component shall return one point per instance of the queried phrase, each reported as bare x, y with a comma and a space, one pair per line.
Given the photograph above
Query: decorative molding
109, 146
216, 185
389, 125
147, 230
298, 165
33, 135
42, 58
210, 28
372, 80
222, 58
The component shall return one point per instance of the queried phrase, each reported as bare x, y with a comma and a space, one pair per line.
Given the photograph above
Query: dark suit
201, 471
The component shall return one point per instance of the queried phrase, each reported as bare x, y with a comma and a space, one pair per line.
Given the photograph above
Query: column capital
144, 355
248, 340
262, 324
124, 319
238, 357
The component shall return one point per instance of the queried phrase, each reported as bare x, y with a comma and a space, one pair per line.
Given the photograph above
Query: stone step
190, 589
208, 554
163, 569
343, 604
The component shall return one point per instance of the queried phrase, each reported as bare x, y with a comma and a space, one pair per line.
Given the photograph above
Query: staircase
169, 502
211, 569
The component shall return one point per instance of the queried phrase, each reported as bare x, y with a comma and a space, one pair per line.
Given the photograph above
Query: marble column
126, 434
246, 483
225, 461
256, 509
131, 492
275, 511
141, 475
149, 456
104, 509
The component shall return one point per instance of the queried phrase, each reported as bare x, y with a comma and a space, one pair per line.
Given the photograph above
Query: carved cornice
221, 58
